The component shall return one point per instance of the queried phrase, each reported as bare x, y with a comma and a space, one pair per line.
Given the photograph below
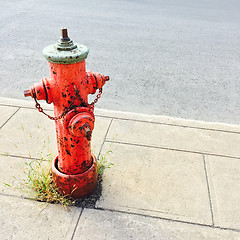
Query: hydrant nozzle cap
65, 51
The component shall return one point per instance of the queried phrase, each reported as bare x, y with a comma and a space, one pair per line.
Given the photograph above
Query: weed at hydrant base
39, 179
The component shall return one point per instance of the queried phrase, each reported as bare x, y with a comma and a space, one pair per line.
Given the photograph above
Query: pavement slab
175, 137
166, 120
224, 182
156, 182
28, 134
22, 219
6, 113
108, 225
13, 172
172, 178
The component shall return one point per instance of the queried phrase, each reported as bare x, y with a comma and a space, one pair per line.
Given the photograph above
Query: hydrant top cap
65, 51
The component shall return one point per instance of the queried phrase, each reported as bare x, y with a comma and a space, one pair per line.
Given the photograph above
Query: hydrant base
76, 186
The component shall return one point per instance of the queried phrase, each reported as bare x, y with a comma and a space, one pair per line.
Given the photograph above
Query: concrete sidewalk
172, 179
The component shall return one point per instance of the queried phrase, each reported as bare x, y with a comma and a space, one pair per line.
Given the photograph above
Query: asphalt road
174, 58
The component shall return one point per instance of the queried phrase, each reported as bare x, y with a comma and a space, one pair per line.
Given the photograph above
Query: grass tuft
39, 179
103, 164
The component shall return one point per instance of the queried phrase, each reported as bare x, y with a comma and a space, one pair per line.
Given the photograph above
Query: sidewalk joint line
169, 219
130, 213
19, 197
25, 107
143, 121
75, 228
16, 156
174, 125
208, 188
171, 149
9, 105
104, 140
9, 118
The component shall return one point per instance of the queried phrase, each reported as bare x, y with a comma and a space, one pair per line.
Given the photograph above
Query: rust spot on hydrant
75, 168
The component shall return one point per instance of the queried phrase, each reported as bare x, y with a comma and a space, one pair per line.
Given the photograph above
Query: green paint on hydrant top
65, 51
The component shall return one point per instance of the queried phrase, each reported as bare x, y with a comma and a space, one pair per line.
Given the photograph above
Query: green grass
39, 179
103, 164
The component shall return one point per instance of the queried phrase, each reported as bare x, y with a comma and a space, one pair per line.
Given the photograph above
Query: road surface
174, 58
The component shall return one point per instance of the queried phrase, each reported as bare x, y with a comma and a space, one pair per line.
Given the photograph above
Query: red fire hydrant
74, 170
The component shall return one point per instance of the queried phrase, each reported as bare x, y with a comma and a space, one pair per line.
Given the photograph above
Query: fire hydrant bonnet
65, 52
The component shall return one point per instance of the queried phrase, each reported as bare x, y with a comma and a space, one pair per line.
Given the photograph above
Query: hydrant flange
76, 186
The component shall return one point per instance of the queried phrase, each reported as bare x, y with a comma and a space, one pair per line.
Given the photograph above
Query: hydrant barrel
74, 170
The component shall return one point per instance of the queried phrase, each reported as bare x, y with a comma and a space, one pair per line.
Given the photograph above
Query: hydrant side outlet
74, 170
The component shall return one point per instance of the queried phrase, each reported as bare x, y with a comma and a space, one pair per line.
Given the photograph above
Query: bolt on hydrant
74, 170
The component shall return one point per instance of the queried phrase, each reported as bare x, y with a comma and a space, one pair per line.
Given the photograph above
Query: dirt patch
90, 201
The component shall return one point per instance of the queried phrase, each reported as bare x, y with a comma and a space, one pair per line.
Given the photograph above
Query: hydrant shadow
90, 201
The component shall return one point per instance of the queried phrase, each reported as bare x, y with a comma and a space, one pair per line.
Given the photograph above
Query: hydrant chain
40, 109
96, 99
